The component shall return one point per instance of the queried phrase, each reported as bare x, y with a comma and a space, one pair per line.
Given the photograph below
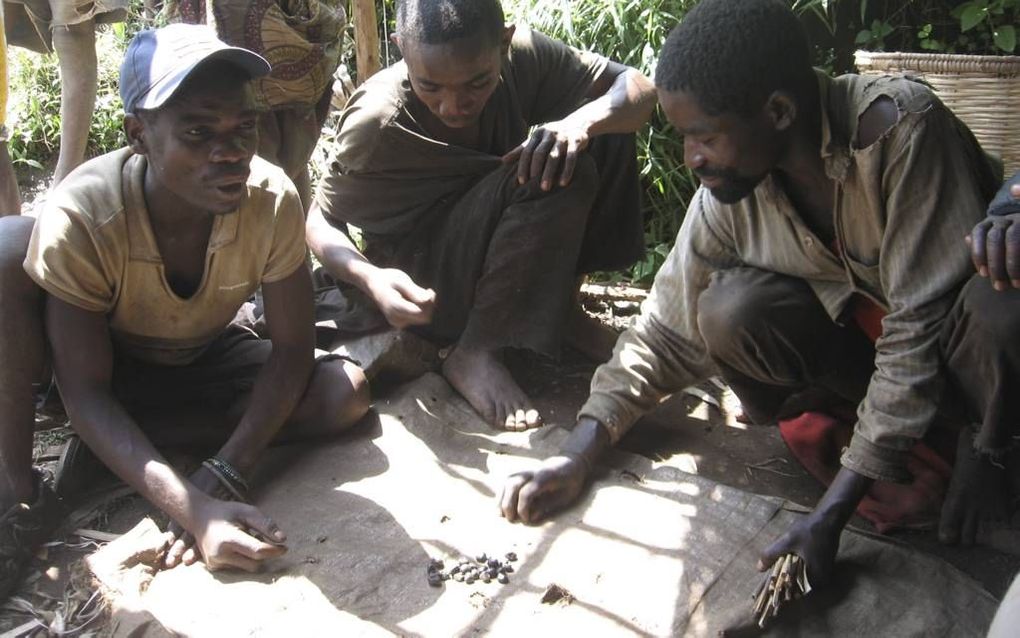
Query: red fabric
867, 315
817, 441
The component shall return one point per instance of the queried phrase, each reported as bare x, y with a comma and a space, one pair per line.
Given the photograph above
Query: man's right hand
403, 302
529, 497
995, 248
225, 533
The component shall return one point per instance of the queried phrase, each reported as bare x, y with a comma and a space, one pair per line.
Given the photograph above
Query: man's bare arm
83, 362
622, 100
283, 380
400, 299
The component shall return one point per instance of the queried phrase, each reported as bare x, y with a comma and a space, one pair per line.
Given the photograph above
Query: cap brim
248, 61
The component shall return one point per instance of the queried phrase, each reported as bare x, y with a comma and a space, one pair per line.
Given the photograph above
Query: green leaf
972, 16
1005, 38
863, 37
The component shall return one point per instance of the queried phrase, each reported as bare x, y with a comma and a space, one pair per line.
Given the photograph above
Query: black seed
481, 558
507, 569
486, 578
510, 556
458, 577
492, 573
455, 569
503, 578
470, 579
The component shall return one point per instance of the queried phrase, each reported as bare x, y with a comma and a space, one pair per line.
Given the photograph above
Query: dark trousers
773, 342
504, 258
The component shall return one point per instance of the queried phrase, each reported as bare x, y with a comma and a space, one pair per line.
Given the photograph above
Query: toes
532, 419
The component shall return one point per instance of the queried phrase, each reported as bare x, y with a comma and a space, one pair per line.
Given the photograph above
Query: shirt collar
141, 238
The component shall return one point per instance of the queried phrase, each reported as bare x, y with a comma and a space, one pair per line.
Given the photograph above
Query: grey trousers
772, 341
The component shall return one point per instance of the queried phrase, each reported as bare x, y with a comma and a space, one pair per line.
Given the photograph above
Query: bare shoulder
880, 116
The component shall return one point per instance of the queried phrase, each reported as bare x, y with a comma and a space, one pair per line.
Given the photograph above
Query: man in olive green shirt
475, 233
821, 198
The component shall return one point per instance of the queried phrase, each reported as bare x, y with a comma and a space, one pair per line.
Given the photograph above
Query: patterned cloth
300, 38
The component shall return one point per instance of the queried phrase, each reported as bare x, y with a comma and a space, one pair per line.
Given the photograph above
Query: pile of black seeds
482, 568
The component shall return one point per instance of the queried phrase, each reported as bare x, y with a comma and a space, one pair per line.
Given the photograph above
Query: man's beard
735, 187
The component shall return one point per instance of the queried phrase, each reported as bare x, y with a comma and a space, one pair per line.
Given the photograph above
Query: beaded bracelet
228, 476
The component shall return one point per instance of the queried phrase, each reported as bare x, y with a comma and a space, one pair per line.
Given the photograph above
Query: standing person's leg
10, 198
982, 356
75, 45
771, 338
28, 510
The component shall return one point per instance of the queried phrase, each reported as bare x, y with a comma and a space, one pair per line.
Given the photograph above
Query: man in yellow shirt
137, 267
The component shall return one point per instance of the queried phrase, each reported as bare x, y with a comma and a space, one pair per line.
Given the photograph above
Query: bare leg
76, 51
480, 377
10, 198
22, 352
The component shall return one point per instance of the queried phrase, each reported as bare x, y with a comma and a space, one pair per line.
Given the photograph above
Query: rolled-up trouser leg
770, 337
980, 343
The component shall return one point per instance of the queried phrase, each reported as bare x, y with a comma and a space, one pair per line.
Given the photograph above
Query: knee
343, 393
15, 233
728, 308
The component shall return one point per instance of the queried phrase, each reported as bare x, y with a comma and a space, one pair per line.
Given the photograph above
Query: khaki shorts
29, 22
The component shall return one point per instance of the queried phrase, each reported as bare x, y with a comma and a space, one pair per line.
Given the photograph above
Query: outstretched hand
403, 302
995, 247
530, 497
550, 153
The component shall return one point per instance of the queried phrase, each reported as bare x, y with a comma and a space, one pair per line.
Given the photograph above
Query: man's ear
781, 110
507, 37
134, 128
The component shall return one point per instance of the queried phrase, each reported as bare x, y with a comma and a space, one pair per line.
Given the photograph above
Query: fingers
977, 247
1014, 191
995, 255
537, 499
415, 293
252, 518
570, 161
553, 160
177, 550
513, 155
527, 151
540, 157
1013, 254
773, 552
511, 491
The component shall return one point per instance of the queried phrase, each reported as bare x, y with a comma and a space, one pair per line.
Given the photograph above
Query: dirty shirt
387, 175
902, 208
93, 247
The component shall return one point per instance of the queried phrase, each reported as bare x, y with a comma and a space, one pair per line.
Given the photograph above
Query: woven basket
983, 91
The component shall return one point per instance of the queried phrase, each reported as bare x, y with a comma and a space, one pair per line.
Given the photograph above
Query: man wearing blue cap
136, 268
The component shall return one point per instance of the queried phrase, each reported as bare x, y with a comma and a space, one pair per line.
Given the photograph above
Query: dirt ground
58, 594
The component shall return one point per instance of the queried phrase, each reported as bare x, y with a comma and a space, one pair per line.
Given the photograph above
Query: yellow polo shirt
93, 247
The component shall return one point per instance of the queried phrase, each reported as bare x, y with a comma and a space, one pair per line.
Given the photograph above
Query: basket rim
943, 62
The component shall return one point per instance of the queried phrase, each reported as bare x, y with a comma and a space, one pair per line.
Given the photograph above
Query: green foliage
975, 26
33, 112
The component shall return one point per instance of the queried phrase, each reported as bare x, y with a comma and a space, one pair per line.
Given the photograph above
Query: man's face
454, 80
199, 147
730, 154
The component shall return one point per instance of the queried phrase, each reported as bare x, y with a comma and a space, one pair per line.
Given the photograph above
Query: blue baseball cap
158, 61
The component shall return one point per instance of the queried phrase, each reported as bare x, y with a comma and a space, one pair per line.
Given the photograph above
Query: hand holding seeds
785, 582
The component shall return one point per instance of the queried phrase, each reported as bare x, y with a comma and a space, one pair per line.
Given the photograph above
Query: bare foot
589, 336
977, 496
483, 380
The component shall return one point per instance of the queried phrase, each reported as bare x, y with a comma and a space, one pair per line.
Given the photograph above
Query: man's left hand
811, 538
550, 153
181, 549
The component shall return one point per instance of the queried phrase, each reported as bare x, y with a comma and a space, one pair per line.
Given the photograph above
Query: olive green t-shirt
387, 173
93, 247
